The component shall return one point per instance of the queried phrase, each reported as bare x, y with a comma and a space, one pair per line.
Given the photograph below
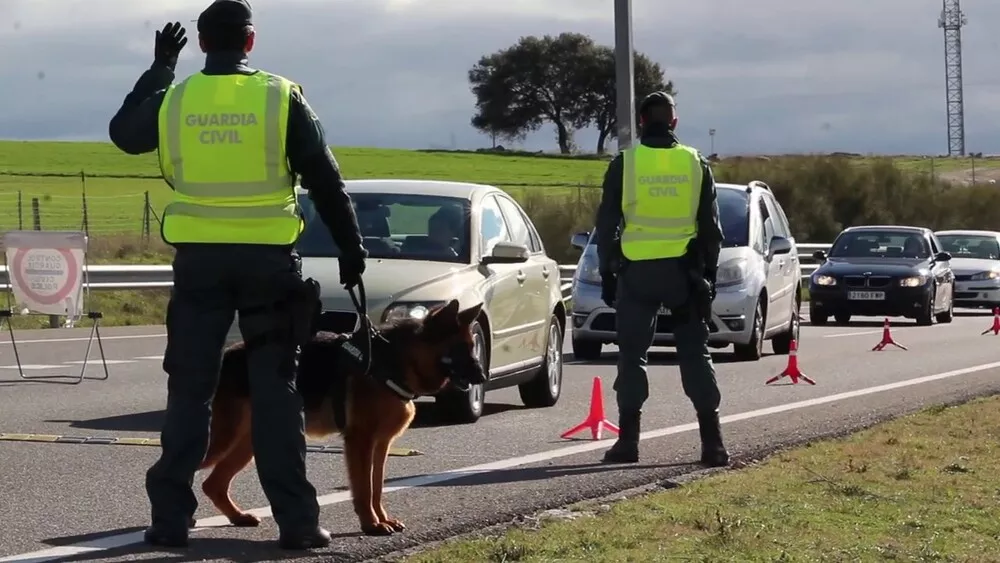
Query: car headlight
984, 276
824, 280
731, 273
408, 310
588, 271
913, 281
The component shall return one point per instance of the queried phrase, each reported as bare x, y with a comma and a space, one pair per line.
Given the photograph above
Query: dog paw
245, 520
396, 525
377, 529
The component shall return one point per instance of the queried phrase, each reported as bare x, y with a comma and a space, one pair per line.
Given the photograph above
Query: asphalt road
83, 502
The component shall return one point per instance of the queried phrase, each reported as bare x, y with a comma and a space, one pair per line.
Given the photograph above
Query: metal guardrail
142, 277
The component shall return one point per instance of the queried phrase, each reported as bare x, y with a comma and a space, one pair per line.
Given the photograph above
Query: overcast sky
769, 75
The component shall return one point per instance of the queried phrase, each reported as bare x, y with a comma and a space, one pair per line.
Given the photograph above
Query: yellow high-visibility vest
222, 150
660, 193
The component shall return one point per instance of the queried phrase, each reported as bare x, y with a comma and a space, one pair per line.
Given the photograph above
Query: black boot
162, 537
310, 538
626, 448
713, 452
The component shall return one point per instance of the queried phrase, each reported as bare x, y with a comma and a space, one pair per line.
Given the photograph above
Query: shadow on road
151, 421
655, 359
428, 415
199, 549
522, 474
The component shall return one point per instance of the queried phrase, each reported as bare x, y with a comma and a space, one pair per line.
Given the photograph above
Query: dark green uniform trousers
212, 282
642, 288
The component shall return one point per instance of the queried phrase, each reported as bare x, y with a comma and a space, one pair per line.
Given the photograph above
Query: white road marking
32, 366
121, 540
158, 358
84, 339
97, 362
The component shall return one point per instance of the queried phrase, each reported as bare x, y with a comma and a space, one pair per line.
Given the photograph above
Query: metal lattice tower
951, 21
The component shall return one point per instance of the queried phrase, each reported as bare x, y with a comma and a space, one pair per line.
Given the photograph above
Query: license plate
663, 311
866, 295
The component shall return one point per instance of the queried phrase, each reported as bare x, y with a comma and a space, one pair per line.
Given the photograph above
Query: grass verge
921, 488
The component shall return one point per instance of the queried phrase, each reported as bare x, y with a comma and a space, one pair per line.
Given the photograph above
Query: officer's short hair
226, 38
658, 107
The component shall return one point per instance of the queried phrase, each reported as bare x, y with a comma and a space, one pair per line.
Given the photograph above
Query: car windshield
396, 226
965, 246
734, 213
879, 244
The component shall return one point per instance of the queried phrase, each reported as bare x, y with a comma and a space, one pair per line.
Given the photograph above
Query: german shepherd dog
409, 358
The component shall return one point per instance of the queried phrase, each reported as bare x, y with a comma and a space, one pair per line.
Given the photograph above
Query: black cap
656, 99
226, 14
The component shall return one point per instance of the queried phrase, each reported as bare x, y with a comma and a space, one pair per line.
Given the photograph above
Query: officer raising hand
658, 244
231, 141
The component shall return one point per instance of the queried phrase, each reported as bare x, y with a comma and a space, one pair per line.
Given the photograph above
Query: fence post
145, 218
36, 216
20, 210
83, 187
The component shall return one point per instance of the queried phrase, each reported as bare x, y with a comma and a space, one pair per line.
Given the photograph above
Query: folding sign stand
44, 273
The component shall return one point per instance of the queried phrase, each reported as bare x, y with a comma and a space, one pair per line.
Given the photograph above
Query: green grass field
921, 488
117, 184
558, 192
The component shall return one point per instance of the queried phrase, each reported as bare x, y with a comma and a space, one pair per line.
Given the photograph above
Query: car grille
965, 295
963, 277
338, 321
867, 281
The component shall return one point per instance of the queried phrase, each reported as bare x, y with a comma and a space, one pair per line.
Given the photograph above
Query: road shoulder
917, 487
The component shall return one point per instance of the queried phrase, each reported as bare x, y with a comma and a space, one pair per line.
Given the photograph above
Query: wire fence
126, 214
109, 205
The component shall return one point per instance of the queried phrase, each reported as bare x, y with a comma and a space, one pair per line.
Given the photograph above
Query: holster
701, 289
294, 314
305, 310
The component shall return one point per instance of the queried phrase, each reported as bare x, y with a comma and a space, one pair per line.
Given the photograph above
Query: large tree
535, 80
599, 106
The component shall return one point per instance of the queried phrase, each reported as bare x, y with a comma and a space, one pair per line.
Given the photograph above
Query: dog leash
364, 323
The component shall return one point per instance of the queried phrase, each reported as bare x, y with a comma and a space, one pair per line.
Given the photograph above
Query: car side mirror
778, 245
580, 240
942, 256
506, 253
819, 256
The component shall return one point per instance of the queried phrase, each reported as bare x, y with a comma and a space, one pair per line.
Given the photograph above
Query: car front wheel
754, 349
947, 316
545, 388
464, 407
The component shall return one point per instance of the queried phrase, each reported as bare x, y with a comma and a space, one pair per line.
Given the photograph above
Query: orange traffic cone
887, 339
792, 371
595, 421
995, 329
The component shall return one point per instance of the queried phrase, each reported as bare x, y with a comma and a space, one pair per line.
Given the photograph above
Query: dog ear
468, 316
443, 319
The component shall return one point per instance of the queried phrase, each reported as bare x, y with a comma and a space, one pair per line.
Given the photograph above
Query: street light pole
624, 74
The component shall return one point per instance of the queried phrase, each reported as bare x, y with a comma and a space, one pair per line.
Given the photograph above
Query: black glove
351, 267
169, 42
609, 288
710, 278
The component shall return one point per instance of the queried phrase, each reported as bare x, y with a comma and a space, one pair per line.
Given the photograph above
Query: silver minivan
757, 290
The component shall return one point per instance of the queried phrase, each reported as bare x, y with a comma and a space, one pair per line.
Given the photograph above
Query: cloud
769, 75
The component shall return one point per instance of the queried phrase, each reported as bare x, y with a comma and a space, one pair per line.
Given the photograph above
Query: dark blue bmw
882, 271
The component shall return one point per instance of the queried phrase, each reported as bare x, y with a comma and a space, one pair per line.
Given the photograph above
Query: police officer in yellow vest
231, 140
658, 242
